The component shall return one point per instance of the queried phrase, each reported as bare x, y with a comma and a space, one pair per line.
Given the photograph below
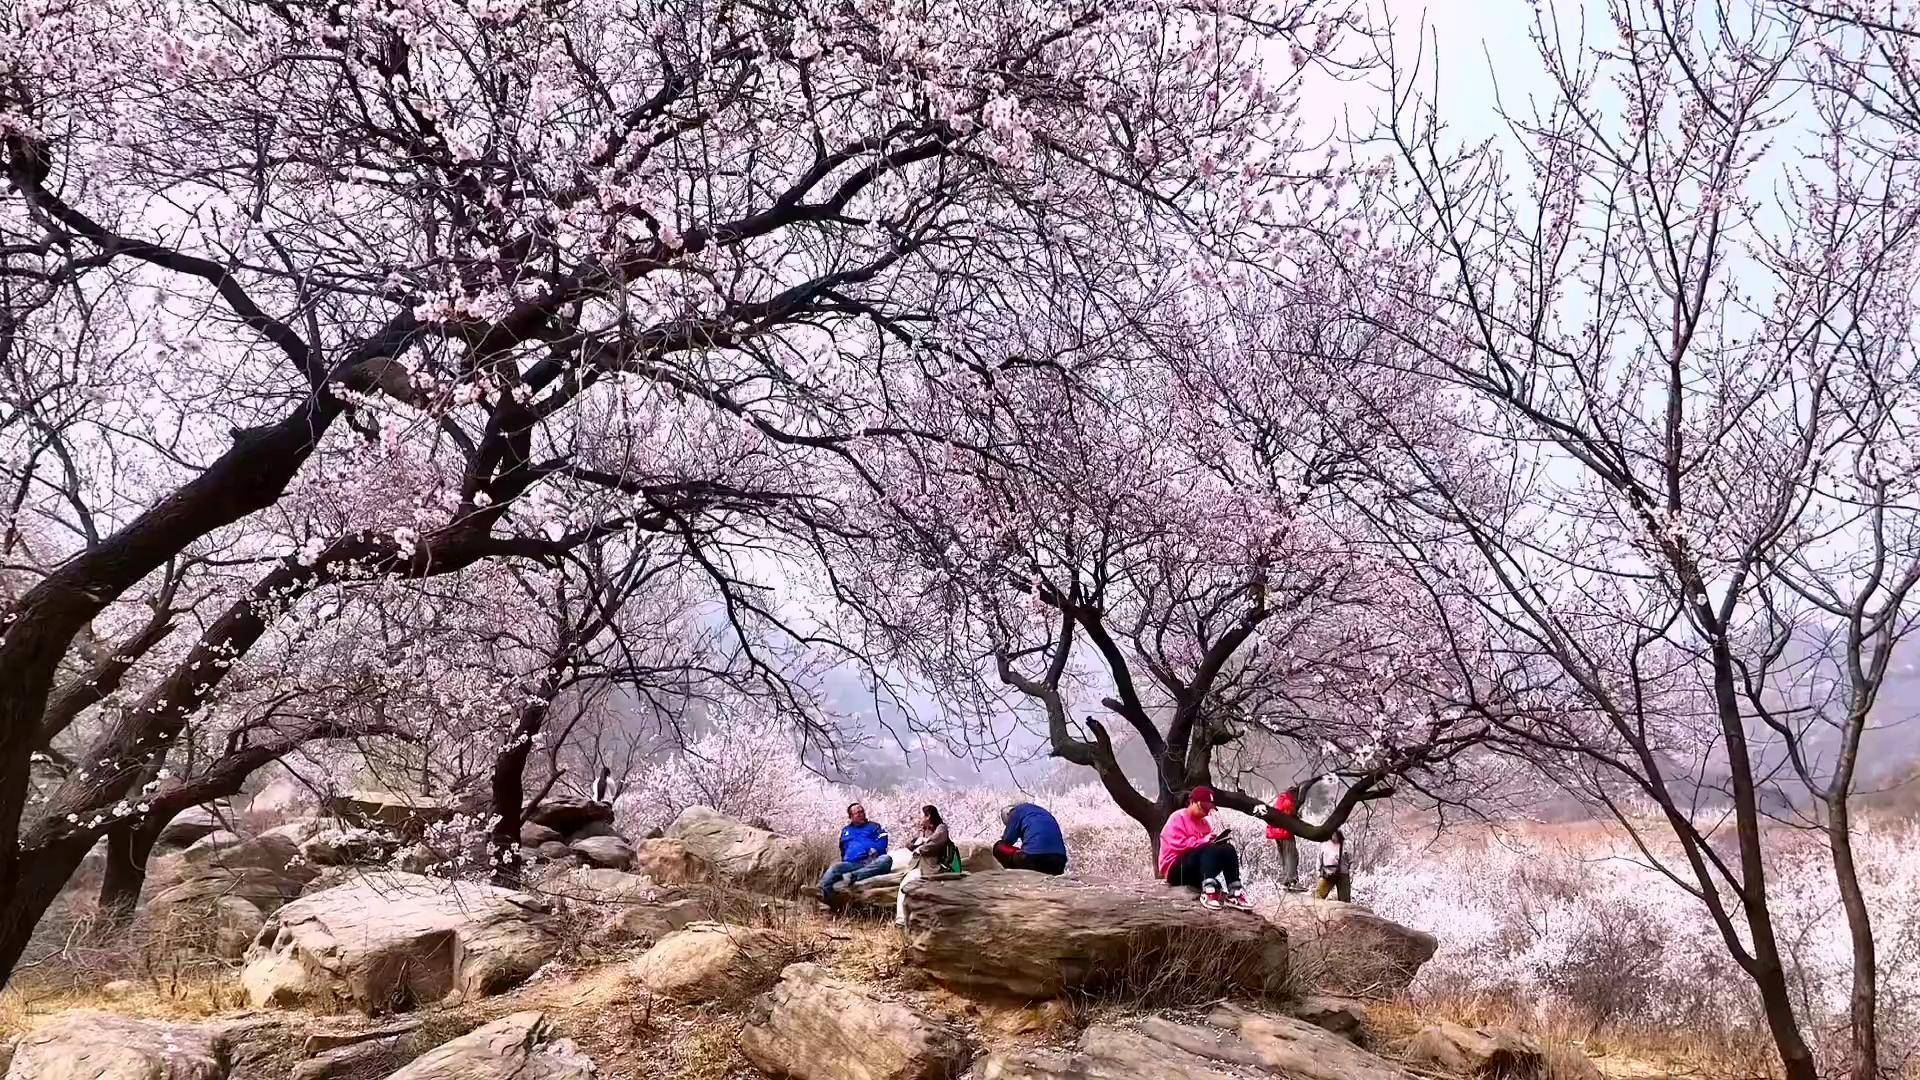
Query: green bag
954, 864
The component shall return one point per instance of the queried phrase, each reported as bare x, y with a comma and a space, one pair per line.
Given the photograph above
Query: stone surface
711, 961
347, 847
533, 834
648, 923
1024, 934
1491, 1053
365, 1054
1232, 1045
522, 1046
119, 988
265, 889
817, 1027
605, 852
187, 827
554, 850
268, 851
1342, 1016
101, 1046
591, 829
205, 847
565, 815
390, 941
1348, 950
751, 858
668, 862
591, 885
388, 811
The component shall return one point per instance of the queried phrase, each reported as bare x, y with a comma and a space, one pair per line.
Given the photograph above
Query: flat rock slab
390, 941
1022, 934
105, 1046
523, 1046
1231, 1045
817, 1027
1488, 1052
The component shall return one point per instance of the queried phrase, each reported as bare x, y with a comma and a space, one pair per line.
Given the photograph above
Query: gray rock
817, 1027
751, 858
1019, 933
606, 852
1234, 1044
518, 1047
1347, 950
566, 815
391, 941
533, 834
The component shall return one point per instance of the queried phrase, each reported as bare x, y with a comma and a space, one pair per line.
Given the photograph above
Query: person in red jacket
1283, 841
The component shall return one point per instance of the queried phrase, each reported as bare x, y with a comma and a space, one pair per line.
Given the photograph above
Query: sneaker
1238, 898
1214, 899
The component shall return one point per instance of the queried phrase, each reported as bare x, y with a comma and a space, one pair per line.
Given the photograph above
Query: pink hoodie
1182, 834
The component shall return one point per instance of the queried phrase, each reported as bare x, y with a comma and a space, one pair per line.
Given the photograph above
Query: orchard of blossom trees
462, 395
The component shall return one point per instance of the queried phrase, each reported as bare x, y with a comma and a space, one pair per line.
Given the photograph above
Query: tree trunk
1864, 999
1767, 971
43, 873
128, 849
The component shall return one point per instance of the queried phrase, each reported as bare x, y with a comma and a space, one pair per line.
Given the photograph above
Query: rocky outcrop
533, 834
1231, 1045
751, 858
523, 1046
1344, 1017
1348, 950
390, 941
219, 903
1485, 1052
648, 923
668, 862
567, 816
347, 847
605, 852
388, 811
102, 1046
357, 1055
711, 961
1028, 935
188, 827
816, 1027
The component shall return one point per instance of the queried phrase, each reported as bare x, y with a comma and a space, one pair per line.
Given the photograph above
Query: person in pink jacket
1196, 854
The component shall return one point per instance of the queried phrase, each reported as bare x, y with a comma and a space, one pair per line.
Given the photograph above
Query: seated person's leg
834, 874
875, 865
1010, 857
1187, 872
1048, 864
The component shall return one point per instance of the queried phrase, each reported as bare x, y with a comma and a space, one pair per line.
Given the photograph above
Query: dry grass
1568, 1041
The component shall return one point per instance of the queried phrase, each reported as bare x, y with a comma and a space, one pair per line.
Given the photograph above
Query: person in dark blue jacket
1032, 841
863, 853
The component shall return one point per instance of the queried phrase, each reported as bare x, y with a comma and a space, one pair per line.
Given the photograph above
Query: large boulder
751, 858
816, 1027
103, 1046
363, 1054
390, 941
668, 862
710, 961
188, 827
605, 852
648, 923
1346, 949
1483, 1052
1342, 1016
268, 851
1028, 935
348, 847
522, 1046
566, 815
219, 910
589, 885
533, 834
389, 811
1231, 1045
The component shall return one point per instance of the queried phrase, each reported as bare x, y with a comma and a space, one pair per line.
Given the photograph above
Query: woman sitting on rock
932, 851
1196, 854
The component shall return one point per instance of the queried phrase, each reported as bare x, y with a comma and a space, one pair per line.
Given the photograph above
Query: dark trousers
1014, 859
1218, 860
1341, 885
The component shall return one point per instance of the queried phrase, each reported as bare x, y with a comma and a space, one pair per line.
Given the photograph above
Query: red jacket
1286, 804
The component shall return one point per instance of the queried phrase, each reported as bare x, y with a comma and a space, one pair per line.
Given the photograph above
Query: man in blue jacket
863, 853
1032, 841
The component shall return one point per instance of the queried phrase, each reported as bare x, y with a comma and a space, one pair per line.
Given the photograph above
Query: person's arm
1012, 832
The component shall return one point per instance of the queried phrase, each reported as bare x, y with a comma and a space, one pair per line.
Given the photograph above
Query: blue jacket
1035, 831
861, 842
